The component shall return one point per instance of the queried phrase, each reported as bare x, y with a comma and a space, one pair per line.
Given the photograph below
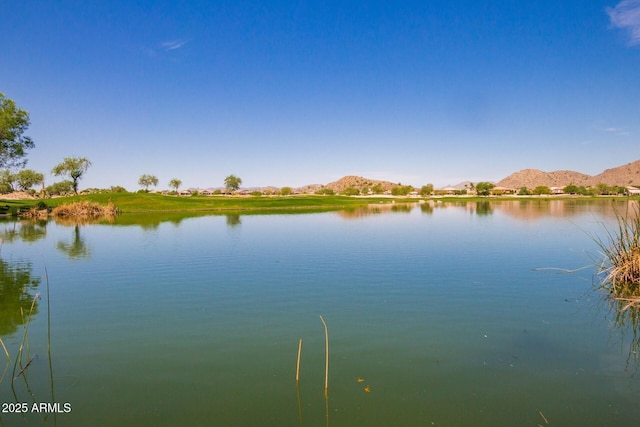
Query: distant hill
359, 183
623, 176
532, 178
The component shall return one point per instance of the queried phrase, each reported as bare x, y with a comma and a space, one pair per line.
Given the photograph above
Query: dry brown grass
621, 264
84, 209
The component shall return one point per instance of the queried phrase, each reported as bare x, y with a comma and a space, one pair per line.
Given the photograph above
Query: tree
285, 191
571, 189
74, 167
541, 189
426, 190
325, 191
524, 191
14, 122
147, 180
59, 188
402, 190
377, 189
175, 183
484, 188
7, 181
232, 182
351, 191
27, 178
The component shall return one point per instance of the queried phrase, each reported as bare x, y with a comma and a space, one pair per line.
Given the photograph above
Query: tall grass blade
326, 358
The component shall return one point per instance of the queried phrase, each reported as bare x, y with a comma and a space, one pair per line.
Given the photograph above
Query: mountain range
623, 176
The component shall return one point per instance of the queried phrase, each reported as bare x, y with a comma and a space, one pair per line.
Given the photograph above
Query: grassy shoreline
141, 203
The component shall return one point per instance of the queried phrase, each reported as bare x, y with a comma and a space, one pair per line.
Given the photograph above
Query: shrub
621, 263
84, 209
541, 189
402, 190
325, 191
377, 189
285, 191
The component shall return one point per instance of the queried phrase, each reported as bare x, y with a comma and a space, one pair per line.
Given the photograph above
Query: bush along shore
620, 266
79, 209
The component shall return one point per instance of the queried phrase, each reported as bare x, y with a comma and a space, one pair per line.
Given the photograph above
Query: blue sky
288, 93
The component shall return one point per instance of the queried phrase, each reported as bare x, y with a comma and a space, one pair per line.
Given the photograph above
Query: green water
453, 314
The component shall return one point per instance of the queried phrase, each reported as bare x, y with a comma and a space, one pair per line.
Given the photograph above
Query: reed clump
84, 209
621, 249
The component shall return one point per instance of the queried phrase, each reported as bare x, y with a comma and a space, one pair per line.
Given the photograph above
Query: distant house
184, 192
502, 190
449, 190
557, 190
633, 191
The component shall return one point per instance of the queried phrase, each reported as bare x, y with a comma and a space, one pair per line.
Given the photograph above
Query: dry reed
84, 209
25, 341
5, 349
326, 358
621, 250
298, 363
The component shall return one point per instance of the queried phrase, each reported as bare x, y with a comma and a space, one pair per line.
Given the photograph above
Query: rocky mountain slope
623, 176
359, 183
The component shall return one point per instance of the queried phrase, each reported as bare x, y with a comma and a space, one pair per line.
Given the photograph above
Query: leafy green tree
14, 122
74, 167
325, 191
28, 178
60, 188
117, 189
524, 191
175, 183
232, 183
377, 189
147, 180
7, 181
286, 191
426, 190
484, 188
571, 189
351, 191
402, 190
541, 189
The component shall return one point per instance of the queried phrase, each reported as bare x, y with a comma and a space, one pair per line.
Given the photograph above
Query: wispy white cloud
617, 131
626, 15
164, 50
173, 44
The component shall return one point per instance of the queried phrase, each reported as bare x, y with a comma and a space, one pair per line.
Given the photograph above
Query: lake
443, 314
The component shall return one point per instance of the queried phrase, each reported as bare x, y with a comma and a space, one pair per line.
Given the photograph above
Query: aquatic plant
84, 208
620, 265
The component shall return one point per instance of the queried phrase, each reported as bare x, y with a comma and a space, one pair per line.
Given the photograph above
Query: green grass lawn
144, 202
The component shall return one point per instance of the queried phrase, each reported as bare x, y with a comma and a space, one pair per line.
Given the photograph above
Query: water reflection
25, 230
624, 313
77, 248
16, 294
525, 210
528, 210
233, 220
